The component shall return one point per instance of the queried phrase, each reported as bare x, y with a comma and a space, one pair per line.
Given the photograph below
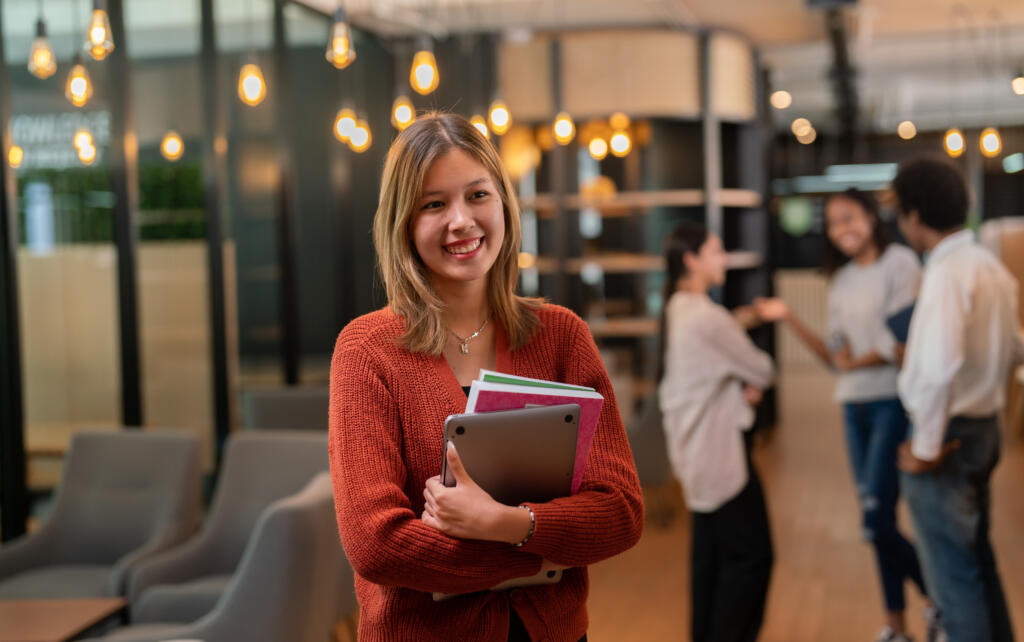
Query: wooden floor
824, 586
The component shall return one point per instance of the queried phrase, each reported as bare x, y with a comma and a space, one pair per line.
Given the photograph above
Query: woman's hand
752, 395
466, 511
771, 309
843, 359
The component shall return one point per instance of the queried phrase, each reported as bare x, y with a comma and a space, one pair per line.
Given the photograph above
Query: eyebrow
467, 186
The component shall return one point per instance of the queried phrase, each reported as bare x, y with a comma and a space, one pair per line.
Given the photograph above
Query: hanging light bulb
423, 74
598, 148
618, 121
620, 143
41, 61
499, 117
807, 136
990, 142
340, 50
402, 113
360, 140
953, 142
800, 127
252, 89
781, 99
15, 156
906, 130
172, 147
78, 88
83, 138
1018, 82
481, 125
344, 124
564, 128
87, 154
98, 41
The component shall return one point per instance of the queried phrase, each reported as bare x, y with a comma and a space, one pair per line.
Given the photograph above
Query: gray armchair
286, 407
260, 467
293, 582
123, 496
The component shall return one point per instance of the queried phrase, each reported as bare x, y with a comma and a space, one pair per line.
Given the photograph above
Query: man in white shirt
964, 338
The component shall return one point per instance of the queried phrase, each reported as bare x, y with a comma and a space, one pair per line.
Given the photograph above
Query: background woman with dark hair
871, 279
713, 374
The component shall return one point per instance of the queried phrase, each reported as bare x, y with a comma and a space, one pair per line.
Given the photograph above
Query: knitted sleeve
384, 540
606, 516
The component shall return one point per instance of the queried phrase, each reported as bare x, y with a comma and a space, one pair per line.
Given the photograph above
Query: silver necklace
464, 343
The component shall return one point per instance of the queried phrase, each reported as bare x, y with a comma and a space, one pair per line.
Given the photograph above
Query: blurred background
187, 201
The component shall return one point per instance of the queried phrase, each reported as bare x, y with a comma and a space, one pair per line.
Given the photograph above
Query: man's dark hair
935, 189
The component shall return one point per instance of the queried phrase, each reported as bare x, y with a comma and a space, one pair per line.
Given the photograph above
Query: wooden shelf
626, 262
624, 327
628, 203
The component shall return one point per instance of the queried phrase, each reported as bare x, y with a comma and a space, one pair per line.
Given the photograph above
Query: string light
1017, 84
423, 75
800, 127
499, 117
172, 147
83, 138
781, 99
99, 42
990, 142
598, 148
361, 139
953, 142
252, 88
341, 52
620, 144
564, 128
15, 156
906, 130
344, 124
41, 61
87, 154
481, 125
402, 113
618, 120
807, 136
78, 88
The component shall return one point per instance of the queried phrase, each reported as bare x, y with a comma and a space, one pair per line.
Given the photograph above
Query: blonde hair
410, 294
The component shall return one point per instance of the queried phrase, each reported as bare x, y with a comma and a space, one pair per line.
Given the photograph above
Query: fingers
950, 446
455, 465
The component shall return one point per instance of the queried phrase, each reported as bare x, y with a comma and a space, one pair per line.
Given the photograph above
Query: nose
461, 218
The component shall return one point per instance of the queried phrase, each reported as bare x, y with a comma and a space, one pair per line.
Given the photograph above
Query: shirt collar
950, 244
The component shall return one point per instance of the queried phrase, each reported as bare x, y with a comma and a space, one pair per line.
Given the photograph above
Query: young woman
870, 281
447, 234
713, 375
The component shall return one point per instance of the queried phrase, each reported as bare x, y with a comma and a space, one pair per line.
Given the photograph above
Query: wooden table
53, 620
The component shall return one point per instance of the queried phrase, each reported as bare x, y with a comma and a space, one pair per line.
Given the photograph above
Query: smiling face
458, 226
850, 227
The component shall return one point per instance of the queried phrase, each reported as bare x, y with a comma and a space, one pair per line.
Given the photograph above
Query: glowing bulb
252, 89
87, 154
618, 120
340, 51
781, 99
598, 148
1018, 83
620, 144
344, 124
99, 42
545, 139
526, 260
41, 61
990, 142
423, 75
500, 118
15, 156
402, 113
954, 142
800, 127
807, 137
481, 125
360, 139
172, 147
564, 128
79, 87
906, 130
83, 138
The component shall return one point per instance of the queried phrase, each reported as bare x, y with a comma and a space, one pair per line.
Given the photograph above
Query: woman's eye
479, 194
433, 205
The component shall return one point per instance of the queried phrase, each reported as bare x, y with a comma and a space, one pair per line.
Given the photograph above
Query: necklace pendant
464, 347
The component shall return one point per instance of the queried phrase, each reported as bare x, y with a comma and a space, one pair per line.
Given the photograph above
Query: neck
466, 306
934, 237
868, 255
693, 284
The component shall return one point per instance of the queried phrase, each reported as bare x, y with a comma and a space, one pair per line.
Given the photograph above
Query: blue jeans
950, 507
874, 431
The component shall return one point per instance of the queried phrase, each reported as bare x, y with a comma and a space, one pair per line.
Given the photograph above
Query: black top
465, 389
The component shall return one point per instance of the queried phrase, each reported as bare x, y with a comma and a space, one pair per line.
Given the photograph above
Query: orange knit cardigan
387, 412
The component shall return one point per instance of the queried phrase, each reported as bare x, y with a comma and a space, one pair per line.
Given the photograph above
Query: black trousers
731, 567
517, 632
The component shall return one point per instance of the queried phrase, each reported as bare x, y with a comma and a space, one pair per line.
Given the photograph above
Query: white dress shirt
964, 339
708, 358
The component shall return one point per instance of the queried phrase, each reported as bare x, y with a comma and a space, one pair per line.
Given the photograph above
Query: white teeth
464, 249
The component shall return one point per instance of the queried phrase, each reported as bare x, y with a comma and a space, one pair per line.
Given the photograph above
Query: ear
689, 262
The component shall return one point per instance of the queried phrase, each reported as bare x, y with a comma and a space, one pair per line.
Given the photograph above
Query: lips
464, 247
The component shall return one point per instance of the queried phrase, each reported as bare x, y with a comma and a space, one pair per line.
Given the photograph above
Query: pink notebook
487, 396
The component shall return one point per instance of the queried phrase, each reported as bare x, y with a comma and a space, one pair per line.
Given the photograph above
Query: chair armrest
27, 552
168, 538
194, 558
